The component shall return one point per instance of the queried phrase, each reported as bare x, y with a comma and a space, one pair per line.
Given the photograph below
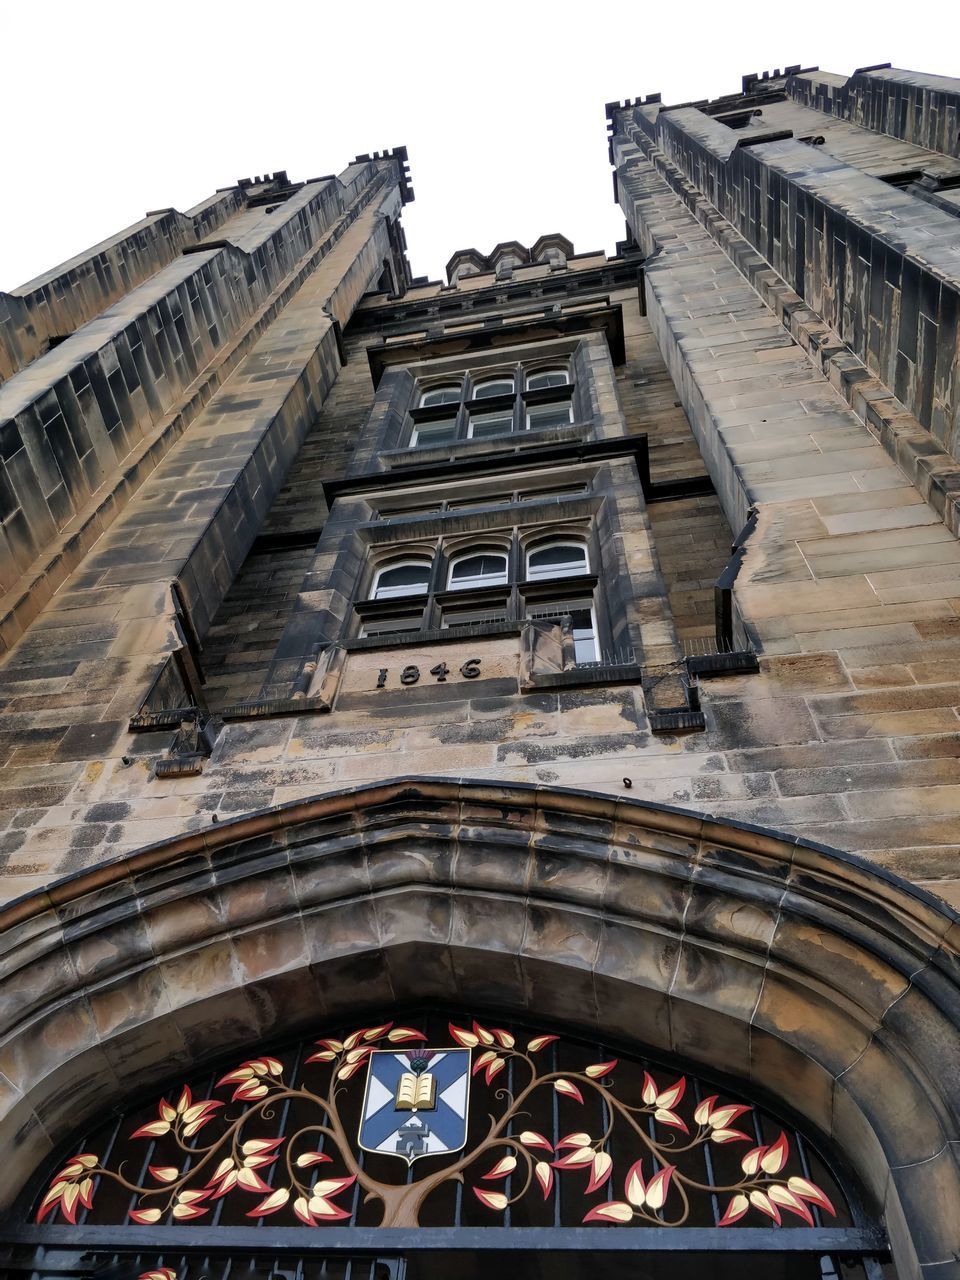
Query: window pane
401, 580
472, 617
493, 387
557, 560
547, 378
489, 424
485, 570
584, 640
429, 433
391, 626
548, 415
449, 393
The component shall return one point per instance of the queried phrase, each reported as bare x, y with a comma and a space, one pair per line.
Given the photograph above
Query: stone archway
810, 974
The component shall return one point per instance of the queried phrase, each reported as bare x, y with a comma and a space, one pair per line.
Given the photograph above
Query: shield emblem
415, 1103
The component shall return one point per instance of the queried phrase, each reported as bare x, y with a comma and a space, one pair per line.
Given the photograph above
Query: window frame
456, 387
512, 591
545, 544
547, 369
473, 406
475, 583
530, 409
369, 629
419, 428
478, 385
474, 418
587, 605
402, 563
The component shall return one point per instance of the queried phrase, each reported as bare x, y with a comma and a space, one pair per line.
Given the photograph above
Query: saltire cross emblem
416, 1103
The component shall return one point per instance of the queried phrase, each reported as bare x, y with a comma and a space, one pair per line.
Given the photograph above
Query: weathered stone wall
89, 660
810, 973
918, 108
850, 586
878, 265
82, 426
61, 300
850, 577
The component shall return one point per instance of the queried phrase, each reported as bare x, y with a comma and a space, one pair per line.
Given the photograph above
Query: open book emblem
416, 1102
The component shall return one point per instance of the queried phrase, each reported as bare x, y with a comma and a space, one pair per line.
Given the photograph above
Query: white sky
115, 108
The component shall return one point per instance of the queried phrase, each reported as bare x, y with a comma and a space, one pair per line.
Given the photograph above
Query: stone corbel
672, 698
192, 744
326, 673
546, 650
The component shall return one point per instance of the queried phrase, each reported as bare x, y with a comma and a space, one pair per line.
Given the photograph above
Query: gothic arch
807, 973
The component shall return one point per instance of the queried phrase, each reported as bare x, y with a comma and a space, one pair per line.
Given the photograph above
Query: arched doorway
442, 1145
807, 982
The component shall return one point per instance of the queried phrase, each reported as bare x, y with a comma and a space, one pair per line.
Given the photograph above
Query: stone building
553, 669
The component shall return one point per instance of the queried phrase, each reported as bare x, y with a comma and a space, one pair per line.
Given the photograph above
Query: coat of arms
416, 1103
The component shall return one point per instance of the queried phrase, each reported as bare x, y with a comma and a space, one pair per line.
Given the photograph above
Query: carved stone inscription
438, 672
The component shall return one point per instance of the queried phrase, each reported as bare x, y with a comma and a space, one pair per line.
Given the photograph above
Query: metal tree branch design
655, 1191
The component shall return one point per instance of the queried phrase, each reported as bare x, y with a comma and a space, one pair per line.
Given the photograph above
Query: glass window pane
449, 393
493, 387
547, 378
391, 626
430, 433
489, 424
556, 560
409, 579
548, 415
472, 617
484, 570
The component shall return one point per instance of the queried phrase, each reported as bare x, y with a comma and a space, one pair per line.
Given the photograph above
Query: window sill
390, 606
563, 584
574, 677
465, 597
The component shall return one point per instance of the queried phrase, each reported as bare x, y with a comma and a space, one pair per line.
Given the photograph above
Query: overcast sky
115, 108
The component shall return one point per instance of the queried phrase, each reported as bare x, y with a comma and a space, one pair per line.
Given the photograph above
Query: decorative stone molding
824, 982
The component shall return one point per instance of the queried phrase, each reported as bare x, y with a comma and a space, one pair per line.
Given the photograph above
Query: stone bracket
707, 666
192, 744
677, 720
672, 696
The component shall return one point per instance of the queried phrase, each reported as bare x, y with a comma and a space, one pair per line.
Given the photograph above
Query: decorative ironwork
373, 1128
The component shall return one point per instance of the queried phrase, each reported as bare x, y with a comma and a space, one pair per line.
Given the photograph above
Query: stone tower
573, 642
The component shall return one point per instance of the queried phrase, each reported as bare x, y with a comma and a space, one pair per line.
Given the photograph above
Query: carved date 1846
411, 674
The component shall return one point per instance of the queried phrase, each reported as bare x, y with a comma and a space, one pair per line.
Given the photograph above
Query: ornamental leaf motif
202, 1150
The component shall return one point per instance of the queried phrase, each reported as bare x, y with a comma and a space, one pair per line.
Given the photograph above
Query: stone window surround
385, 441
470, 406
510, 599
360, 539
325, 617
